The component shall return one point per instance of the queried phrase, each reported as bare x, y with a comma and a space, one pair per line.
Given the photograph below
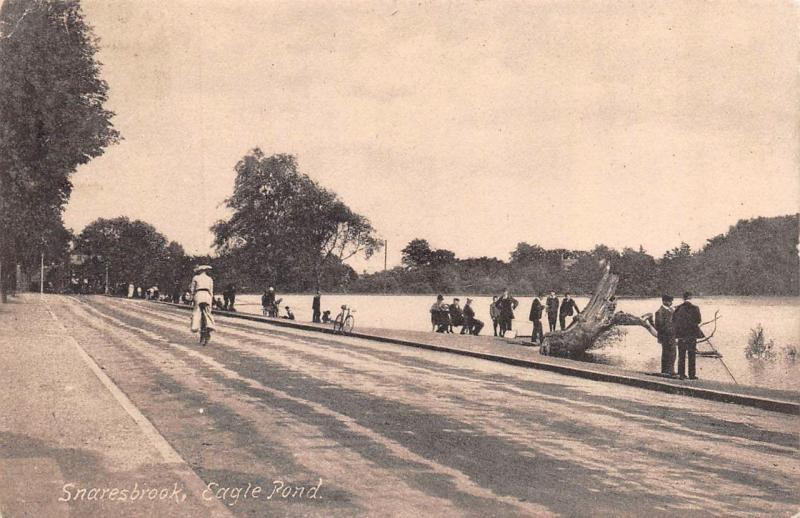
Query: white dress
202, 290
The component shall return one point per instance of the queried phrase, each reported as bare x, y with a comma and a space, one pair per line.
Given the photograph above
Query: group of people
446, 316
501, 310
556, 311
678, 330
270, 304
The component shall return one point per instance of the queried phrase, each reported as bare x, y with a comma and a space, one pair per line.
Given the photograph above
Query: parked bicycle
344, 321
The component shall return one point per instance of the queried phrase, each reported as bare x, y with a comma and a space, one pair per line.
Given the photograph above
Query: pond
631, 347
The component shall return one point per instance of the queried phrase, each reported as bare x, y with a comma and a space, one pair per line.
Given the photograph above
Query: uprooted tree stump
598, 316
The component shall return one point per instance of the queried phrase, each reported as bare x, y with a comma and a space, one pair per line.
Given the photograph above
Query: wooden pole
385, 253
106, 278
41, 276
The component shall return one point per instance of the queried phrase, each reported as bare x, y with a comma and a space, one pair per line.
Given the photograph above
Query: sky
474, 125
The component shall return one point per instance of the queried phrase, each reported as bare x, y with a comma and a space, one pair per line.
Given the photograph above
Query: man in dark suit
686, 322
506, 304
316, 304
666, 335
568, 308
552, 310
536, 318
457, 316
472, 324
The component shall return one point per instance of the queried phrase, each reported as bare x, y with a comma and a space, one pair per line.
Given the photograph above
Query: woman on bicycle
202, 290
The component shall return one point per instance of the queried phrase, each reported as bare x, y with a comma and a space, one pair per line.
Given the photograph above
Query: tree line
755, 257
52, 120
284, 229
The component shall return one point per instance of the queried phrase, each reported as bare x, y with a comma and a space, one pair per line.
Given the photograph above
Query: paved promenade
377, 428
521, 353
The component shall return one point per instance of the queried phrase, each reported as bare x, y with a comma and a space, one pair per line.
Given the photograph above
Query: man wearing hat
666, 335
202, 290
686, 322
472, 324
536, 317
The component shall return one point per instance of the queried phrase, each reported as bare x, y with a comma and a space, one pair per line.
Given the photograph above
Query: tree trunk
597, 317
3, 296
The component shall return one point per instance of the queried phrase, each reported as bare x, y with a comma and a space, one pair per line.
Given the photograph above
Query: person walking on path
568, 308
316, 304
686, 322
666, 335
552, 310
536, 318
472, 324
202, 290
494, 313
506, 304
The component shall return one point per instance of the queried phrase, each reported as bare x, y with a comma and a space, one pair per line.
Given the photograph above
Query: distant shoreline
458, 294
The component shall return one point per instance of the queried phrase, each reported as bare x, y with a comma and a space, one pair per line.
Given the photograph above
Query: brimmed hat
202, 267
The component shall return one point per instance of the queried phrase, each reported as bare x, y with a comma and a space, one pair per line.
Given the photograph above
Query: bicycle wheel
338, 323
202, 328
348, 325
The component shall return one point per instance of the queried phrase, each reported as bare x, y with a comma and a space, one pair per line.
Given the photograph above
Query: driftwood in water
597, 317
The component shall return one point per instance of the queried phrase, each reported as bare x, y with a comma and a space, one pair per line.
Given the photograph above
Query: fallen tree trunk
598, 316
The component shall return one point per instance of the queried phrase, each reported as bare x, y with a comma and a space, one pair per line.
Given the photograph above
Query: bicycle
344, 321
205, 332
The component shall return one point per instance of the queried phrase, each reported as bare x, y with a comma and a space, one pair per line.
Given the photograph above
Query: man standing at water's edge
536, 318
316, 304
686, 321
552, 310
666, 335
568, 308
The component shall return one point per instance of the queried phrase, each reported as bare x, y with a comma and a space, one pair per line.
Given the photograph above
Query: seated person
471, 324
456, 316
440, 315
289, 315
326, 316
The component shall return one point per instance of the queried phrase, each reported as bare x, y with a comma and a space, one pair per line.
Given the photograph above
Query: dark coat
315, 304
536, 310
663, 325
268, 299
568, 307
456, 315
552, 305
686, 321
469, 315
507, 305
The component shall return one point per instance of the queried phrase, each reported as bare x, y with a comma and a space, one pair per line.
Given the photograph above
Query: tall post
106, 278
385, 253
41, 276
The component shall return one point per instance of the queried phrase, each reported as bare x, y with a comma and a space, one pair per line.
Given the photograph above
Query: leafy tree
676, 270
134, 252
417, 253
51, 119
287, 228
638, 272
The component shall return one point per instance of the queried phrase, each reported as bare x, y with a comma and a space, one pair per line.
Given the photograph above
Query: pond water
631, 347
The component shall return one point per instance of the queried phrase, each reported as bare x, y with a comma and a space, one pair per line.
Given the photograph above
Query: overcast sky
475, 125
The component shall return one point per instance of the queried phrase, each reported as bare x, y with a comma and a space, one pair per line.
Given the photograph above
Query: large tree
132, 252
285, 227
52, 118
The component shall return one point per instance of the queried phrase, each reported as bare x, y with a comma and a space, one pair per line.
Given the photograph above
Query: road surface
377, 429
